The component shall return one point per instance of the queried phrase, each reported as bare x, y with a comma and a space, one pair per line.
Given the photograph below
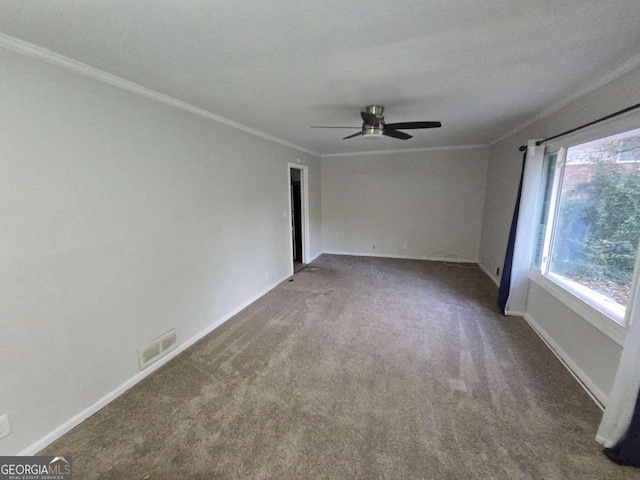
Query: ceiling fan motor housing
377, 110
369, 131
374, 131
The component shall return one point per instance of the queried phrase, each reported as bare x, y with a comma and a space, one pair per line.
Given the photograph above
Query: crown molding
625, 67
25, 48
403, 150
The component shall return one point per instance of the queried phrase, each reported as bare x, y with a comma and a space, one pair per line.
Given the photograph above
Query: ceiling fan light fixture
372, 132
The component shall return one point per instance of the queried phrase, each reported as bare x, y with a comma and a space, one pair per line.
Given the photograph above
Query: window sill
589, 313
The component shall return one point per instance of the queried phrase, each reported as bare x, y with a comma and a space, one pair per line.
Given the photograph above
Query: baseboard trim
597, 395
489, 274
119, 390
405, 257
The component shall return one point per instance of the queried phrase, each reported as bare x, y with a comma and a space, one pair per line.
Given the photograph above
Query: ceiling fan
375, 127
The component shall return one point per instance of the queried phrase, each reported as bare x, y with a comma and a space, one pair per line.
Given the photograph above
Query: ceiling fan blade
337, 127
390, 132
413, 125
352, 136
370, 119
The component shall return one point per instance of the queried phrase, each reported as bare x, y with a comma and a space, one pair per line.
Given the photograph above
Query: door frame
304, 197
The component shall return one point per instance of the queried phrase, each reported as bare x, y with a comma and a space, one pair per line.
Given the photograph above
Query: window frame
586, 305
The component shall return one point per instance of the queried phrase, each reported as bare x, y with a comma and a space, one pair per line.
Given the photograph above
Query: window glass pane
546, 188
598, 219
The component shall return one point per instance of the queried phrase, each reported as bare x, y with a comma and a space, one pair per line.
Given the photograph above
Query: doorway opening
298, 201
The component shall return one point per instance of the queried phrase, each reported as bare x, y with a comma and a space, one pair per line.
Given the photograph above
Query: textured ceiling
480, 67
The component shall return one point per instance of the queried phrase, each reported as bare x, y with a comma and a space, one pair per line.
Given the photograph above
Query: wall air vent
157, 348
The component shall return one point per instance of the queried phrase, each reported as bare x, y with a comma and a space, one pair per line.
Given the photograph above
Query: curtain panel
619, 430
515, 279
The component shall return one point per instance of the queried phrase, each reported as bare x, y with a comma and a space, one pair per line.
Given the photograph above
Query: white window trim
603, 304
586, 306
600, 320
599, 302
554, 203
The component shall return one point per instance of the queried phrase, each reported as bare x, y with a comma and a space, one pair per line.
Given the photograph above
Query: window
590, 220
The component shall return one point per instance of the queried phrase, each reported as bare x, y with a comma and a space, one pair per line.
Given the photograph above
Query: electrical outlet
374, 246
5, 426
405, 246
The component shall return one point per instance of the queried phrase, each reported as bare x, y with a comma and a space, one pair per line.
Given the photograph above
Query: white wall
593, 357
594, 354
120, 218
429, 200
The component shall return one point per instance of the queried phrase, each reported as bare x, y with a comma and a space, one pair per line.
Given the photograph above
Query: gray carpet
359, 368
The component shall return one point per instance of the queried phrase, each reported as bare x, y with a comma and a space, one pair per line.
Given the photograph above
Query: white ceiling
480, 67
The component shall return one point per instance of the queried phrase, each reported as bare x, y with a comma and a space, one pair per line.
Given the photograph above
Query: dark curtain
627, 451
505, 280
